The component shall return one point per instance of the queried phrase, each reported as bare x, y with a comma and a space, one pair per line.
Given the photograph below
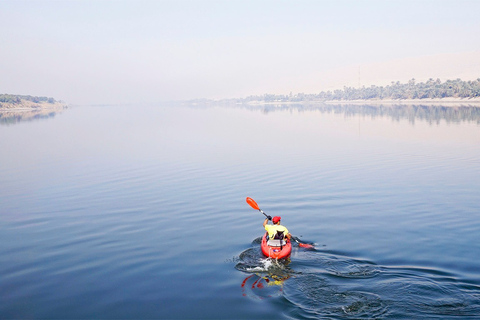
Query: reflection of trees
429, 113
13, 117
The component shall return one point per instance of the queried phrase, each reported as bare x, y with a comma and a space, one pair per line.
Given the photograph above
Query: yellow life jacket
273, 229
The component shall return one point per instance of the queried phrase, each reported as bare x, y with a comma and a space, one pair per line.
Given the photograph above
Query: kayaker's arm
265, 222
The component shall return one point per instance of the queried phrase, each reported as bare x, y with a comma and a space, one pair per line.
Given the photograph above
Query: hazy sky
94, 52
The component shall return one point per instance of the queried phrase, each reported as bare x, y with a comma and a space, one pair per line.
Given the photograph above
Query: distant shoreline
431, 92
19, 103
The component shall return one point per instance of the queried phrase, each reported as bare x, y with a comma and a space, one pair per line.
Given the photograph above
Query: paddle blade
252, 203
306, 245
303, 245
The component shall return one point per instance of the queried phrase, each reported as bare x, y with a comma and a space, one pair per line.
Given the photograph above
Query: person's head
276, 219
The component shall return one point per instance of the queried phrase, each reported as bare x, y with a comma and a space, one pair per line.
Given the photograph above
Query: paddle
254, 205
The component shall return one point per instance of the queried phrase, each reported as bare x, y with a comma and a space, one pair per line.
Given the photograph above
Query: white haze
99, 52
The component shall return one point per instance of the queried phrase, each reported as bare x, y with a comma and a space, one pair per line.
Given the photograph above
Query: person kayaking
276, 231
277, 247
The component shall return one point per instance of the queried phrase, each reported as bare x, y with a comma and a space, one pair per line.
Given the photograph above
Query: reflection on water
310, 283
266, 276
314, 296
321, 283
130, 212
429, 113
10, 117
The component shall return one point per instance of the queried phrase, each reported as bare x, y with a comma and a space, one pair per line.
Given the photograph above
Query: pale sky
100, 52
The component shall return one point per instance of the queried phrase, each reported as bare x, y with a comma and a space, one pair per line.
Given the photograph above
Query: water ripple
335, 265
329, 284
313, 296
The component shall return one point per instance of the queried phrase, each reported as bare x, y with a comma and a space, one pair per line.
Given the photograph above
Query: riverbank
27, 110
25, 105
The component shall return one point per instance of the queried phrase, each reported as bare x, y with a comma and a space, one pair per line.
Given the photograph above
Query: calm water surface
139, 212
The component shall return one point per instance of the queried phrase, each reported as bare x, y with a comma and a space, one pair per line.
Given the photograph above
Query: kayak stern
276, 252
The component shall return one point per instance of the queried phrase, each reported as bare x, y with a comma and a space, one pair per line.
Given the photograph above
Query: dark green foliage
396, 90
9, 98
13, 98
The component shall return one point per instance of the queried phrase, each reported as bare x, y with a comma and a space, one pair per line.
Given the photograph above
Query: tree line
433, 89
15, 99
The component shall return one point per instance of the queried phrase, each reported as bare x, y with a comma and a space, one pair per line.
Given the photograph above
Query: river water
139, 212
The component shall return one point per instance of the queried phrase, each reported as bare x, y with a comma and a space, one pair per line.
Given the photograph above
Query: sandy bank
25, 105
25, 111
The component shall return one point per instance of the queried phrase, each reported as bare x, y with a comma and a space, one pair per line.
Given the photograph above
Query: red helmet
276, 219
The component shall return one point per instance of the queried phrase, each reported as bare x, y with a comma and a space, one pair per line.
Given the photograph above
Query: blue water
139, 212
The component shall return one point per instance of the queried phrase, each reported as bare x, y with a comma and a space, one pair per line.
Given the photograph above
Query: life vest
276, 231
278, 239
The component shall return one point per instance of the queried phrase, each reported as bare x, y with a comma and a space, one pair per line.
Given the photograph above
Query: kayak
276, 249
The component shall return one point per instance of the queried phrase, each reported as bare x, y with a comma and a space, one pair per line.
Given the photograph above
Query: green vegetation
16, 99
432, 89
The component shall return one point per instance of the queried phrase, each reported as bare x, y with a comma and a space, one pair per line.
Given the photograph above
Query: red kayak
276, 249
